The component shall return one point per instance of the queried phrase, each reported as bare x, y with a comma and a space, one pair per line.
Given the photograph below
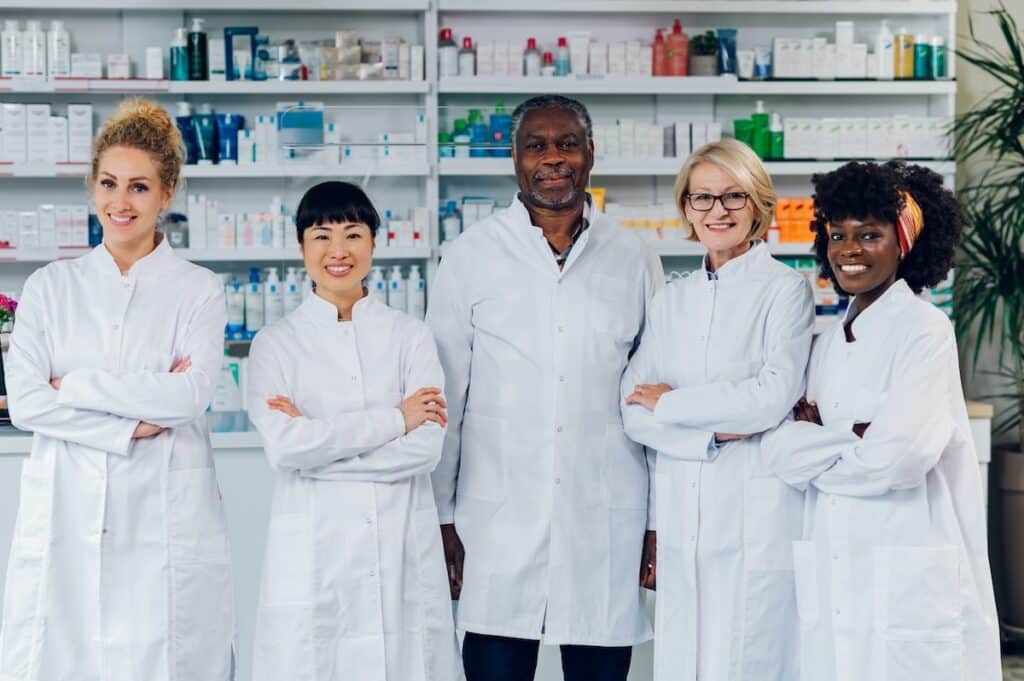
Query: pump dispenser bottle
198, 56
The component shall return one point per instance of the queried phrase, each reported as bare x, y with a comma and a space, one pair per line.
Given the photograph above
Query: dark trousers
499, 658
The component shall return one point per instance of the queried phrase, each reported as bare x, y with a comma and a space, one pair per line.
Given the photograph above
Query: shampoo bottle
198, 56
179, 54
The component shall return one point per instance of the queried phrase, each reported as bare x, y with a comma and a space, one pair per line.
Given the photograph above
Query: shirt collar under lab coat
325, 313
755, 256
152, 263
878, 315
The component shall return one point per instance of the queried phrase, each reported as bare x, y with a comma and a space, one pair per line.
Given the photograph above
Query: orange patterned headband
909, 223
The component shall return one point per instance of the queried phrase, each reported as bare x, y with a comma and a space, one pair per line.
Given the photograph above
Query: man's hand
807, 411
454, 557
859, 428
426, 404
649, 560
647, 395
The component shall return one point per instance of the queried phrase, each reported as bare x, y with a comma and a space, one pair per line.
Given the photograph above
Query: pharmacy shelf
692, 85
897, 7
661, 167
687, 249
213, 87
227, 5
288, 254
227, 171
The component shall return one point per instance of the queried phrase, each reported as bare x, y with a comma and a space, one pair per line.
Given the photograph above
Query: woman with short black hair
346, 393
892, 576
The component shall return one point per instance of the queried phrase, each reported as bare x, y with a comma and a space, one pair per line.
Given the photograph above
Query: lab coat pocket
805, 572
625, 470
773, 518
482, 464
35, 505
196, 525
614, 308
203, 625
288, 564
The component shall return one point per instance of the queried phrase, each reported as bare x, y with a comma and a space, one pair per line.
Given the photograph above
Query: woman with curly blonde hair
119, 568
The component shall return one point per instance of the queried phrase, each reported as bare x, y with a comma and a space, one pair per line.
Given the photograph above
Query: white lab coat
354, 585
892, 574
546, 492
120, 568
734, 348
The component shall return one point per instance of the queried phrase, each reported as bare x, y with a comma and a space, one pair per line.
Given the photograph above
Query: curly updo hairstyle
145, 125
863, 190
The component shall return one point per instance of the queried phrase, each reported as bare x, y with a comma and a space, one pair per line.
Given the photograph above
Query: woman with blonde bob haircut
721, 361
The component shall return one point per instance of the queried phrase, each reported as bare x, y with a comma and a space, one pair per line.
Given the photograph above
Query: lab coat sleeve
302, 443
449, 317
911, 428
668, 439
413, 454
798, 451
755, 404
33, 402
161, 398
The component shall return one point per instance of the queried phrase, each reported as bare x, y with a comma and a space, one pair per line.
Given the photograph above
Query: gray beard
565, 200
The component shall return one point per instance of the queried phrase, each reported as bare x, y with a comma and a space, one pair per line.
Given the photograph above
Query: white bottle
59, 57
273, 297
376, 287
33, 60
253, 303
416, 304
885, 51
292, 291
451, 226
447, 55
13, 48
277, 222
307, 285
397, 296
236, 310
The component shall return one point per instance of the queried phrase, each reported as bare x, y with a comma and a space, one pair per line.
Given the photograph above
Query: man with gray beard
542, 499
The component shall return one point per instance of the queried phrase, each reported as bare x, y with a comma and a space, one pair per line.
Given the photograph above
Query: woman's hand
807, 411
426, 404
647, 395
722, 438
284, 405
55, 383
182, 365
144, 430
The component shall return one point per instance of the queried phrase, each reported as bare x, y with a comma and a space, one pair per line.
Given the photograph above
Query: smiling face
338, 256
129, 196
553, 159
864, 256
721, 230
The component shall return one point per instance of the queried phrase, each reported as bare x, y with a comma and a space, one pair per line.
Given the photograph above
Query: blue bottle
228, 125
184, 122
501, 132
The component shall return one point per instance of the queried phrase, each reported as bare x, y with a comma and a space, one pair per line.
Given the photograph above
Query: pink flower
8, 304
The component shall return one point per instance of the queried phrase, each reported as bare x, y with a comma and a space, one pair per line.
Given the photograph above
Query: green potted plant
704, 54
989, 303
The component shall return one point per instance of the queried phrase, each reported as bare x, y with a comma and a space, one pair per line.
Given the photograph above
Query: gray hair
552, 102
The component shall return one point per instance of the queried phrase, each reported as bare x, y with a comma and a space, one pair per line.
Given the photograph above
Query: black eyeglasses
729, 201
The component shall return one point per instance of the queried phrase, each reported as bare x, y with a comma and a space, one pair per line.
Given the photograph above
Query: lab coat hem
547, 639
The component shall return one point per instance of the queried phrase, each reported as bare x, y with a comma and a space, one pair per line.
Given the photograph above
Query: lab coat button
693, 485
373, 573
116, 327
561, 329
355, 378
558, 481
559, 429
835, 405
561, 379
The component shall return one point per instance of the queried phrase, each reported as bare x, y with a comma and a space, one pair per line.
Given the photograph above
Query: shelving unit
688, 7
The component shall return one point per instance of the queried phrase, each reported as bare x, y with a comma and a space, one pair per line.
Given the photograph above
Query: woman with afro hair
892, 574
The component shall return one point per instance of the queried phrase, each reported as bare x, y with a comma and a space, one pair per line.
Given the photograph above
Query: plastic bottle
273, 297
922, 58
938, 54
236, 310
179, 54
13, 49
376, 287
416, 304
398, 297
903, 46
445, 149
776, 132
451, 222
562, 58
277, 222
547, 68
198, 55
204, 124
660, 56
501, 132
59, 57
678, 50
307, 285
886, 52
461, 138
448, 55
292, 291
33, 59
253, 303
479, 134
531, 59
467, 58
188, 134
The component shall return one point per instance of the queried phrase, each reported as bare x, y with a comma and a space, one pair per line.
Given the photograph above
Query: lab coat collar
755, 256
324, 312
878, 316
152, 263
522, 226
